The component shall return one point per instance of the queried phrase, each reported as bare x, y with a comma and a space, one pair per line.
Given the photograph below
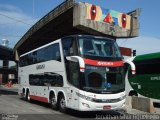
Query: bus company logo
40, 66
105, 63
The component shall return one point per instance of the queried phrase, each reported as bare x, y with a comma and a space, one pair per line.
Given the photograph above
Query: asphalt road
14, 108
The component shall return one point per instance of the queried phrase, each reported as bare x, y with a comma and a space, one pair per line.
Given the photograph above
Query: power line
15, 19
9, 23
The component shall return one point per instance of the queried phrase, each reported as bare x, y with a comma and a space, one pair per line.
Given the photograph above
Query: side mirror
76, 59
73, 59
133, 67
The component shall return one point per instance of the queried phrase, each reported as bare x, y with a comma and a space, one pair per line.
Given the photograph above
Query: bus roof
147, 56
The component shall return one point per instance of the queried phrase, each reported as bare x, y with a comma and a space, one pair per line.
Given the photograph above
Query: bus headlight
123, 97
84, 97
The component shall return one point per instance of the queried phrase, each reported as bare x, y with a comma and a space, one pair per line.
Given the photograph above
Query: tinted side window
51, 52
148, 68
73, 73
143, 68
46, 80
69, 47
56, 52
34, 80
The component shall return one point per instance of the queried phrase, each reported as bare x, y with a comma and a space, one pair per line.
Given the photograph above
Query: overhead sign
97, 13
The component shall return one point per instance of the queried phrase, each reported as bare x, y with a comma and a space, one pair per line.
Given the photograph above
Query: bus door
73, 80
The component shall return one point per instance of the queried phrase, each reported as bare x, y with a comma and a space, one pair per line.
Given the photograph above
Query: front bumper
85, 105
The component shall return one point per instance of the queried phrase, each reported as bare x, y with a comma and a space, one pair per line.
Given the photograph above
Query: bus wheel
28, 96
23, 94
62, 104
133, 93
53, 102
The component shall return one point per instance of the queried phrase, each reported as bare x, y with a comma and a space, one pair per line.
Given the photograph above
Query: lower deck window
46, 80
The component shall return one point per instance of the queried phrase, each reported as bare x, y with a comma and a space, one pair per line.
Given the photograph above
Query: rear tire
23, 97
28, 96
62, 104
53, 102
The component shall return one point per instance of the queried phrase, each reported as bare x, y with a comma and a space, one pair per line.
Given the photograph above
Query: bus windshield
98, 47
97, 80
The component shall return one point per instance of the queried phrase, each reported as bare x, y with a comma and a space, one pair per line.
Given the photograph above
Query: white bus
81, 72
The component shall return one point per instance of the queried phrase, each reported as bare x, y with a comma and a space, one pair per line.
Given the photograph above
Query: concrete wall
98, 26
140, 103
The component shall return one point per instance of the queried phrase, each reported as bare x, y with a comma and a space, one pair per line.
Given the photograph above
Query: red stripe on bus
82, 68
38, 98
104, 63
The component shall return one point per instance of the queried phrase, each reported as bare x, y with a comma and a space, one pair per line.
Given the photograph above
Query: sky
17, 16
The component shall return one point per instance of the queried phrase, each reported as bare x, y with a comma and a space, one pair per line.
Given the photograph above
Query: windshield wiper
88, 89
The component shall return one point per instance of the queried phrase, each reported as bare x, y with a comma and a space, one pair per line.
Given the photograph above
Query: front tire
62, 104
133, 93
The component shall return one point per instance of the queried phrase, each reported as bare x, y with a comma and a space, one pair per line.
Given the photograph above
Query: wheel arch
133, 92
51, 92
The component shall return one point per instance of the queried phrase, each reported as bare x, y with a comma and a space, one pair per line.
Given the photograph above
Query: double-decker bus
146, 82
80, 72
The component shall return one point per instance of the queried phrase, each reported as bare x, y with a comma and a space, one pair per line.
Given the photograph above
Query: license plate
106, 107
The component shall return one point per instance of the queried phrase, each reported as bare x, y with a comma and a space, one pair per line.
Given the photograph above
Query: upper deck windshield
98, 47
